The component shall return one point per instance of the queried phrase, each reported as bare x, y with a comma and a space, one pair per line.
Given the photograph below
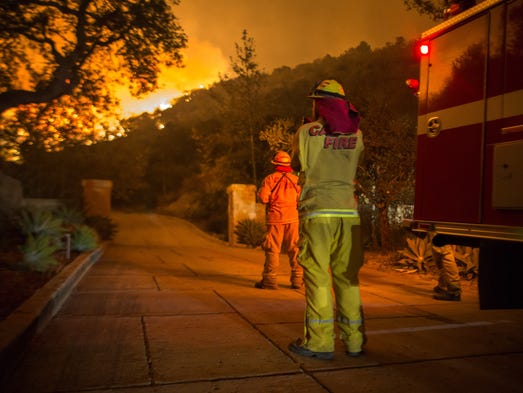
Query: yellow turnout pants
331, 255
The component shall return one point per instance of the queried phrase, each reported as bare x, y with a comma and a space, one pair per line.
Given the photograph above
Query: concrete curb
32, 315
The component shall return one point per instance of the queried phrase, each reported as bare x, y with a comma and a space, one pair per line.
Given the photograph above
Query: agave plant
38, 253
250, 232
70, 217
416, 256
84, 238
35, 221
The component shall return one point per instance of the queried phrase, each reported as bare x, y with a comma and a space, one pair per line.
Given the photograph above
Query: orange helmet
281, 158
327, 88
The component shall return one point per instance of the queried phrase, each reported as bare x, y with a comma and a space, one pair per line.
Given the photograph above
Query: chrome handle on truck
433, 127
508, 130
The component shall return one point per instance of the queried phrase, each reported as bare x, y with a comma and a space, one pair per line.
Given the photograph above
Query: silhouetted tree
47, 46
246, 96
51, 57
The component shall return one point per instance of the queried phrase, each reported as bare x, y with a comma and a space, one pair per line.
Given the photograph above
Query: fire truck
469, 166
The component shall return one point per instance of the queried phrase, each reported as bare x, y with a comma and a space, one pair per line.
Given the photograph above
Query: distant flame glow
196, 74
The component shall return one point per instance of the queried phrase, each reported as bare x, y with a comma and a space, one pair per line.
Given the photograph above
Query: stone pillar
242, 205
97, 197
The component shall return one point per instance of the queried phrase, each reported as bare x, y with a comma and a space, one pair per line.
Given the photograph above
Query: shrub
36, 221
38, 253
416, 256
104, 226
70, 217
250, 232
84, 238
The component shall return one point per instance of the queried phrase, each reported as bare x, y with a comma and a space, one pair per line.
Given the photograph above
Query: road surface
167, 308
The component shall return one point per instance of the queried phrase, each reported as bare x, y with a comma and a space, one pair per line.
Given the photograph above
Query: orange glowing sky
286, 33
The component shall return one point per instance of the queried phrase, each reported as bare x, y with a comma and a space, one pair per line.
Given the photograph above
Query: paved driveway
169, 309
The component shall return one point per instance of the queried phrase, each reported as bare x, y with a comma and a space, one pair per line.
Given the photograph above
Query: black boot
448, 295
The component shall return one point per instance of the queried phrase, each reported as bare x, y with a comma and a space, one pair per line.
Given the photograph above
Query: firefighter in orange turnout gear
280, 192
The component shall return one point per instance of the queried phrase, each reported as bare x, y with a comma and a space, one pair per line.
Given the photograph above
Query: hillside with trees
182, 159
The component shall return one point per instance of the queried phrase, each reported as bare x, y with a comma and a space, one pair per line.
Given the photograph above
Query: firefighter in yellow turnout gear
280, 192
327, 151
